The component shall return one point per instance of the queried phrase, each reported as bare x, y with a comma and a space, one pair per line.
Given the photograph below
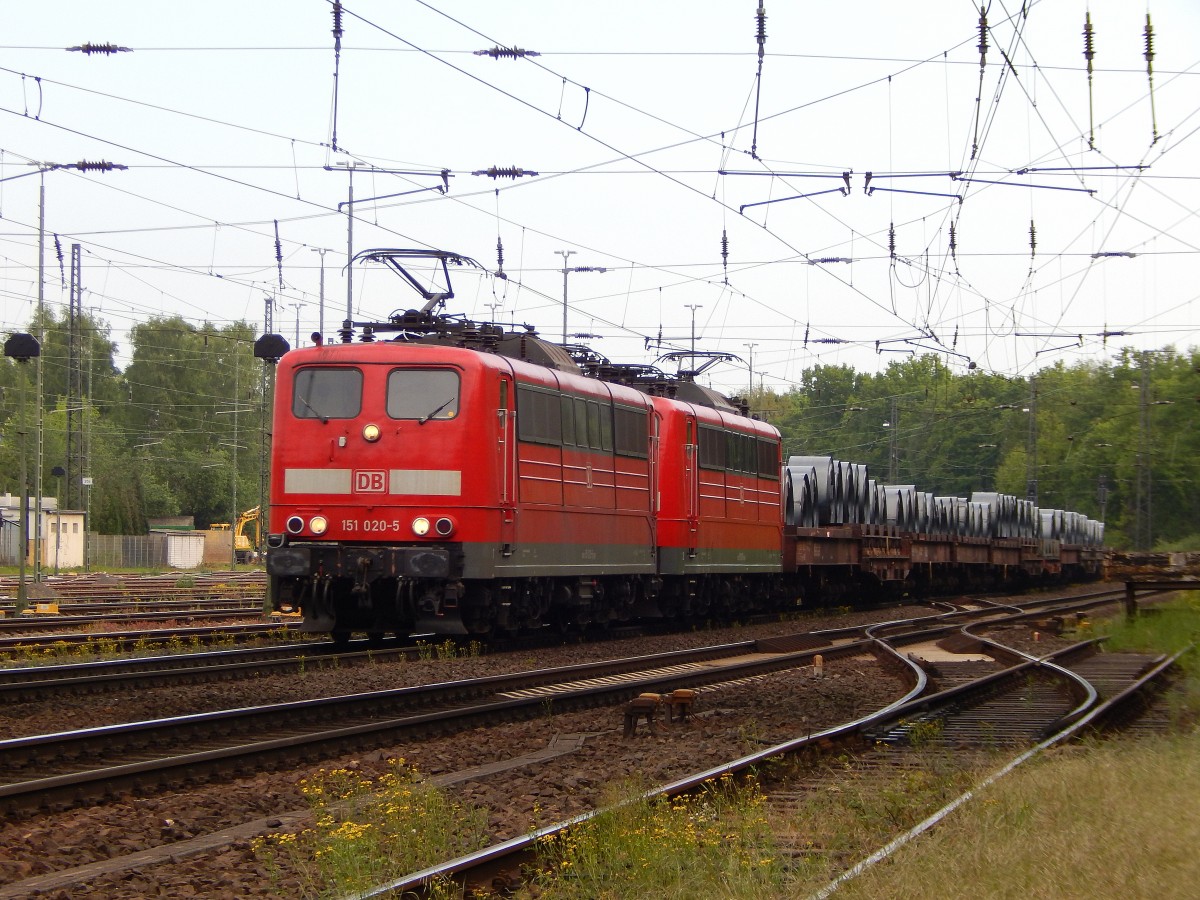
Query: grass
1101, 821
1164, 628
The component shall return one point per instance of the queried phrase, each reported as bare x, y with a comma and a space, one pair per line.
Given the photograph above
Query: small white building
185, 549
62, 533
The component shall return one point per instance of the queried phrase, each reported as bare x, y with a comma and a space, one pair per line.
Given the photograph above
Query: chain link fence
157, 550
121, 551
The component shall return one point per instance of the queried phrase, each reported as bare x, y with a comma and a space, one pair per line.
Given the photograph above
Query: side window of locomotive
629, 432
422, 394
733, 452
581, 423
539, 416
327, 393
712, 448
740, 451
604, 414
595, 438
567, 410
768, 459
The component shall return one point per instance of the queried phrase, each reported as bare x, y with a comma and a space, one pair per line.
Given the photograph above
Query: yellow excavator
247, 536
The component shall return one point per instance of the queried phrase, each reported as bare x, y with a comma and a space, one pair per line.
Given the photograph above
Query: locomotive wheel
340, 638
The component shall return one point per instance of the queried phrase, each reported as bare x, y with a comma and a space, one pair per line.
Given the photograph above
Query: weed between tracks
103, 647
664, 847
448, 649
368, 831
727, 840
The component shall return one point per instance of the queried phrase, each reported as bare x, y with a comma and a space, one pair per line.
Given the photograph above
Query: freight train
444, 476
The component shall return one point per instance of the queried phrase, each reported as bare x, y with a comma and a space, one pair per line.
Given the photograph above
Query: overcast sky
224, 114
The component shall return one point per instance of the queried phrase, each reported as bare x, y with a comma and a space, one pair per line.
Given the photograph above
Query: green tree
1113, 440
193, 417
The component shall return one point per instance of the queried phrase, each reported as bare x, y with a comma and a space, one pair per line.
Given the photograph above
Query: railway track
35, 626
115, 675
168, 638
29, 683
109, 608
982, 706
85, 766
103, 587
730, 689
300, 653
60, 769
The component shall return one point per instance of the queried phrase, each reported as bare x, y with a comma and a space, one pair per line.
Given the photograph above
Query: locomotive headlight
318, 524
370, 433
295, 525
420, 526
444, 526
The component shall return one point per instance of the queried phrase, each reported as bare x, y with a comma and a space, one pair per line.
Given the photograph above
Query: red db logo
367, 481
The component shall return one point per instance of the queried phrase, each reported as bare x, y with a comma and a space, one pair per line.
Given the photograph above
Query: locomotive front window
422, 394
327, 393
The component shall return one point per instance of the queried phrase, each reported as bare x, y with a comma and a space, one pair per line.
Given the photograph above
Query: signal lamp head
370, 433
318, 524
420, 526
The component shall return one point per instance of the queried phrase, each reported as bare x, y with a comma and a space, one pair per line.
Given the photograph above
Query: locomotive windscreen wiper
424, 419
312, 409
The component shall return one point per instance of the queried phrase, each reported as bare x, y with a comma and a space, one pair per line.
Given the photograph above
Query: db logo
367, 481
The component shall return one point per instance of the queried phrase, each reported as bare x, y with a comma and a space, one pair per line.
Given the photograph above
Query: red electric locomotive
435, 487
457, 478
719, 515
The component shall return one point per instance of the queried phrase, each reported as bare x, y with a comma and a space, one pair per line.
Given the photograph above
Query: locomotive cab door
691, 480
506, 448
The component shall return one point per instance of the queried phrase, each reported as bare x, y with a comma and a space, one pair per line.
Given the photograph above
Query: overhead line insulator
1089, 53
278, 254
983, 41
100, 165
513, 172
507, 53
1149, 54
761, 38
983, 48
103, 49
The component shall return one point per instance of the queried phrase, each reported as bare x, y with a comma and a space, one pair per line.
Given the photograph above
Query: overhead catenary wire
725, 264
